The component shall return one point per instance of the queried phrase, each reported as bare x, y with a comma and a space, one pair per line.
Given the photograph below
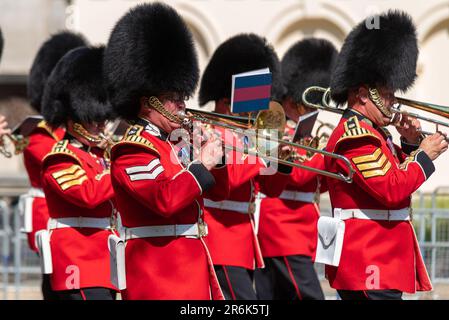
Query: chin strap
80, 130
375, 98
159, 107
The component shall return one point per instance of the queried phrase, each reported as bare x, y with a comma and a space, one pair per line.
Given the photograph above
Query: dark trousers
87, 294
47, 292
370, 295
288, 278
236, 282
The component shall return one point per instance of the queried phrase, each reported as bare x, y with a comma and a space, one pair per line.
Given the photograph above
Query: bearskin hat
1, 43
384, 56
241, 53
46, 58
75, 90
307, 63
150, 51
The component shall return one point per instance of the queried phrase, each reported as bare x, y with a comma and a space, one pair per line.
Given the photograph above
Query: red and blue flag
251, 91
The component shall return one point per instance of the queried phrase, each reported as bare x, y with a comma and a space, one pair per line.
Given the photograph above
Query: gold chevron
377, 172
73, 183
368, 158
373, 165
69, 177
70, 170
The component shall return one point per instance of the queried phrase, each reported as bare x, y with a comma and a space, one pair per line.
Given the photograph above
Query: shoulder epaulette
44, 125
353, 130
61, 148
132, 136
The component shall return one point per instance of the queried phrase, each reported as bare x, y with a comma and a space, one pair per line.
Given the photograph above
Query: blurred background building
27, 23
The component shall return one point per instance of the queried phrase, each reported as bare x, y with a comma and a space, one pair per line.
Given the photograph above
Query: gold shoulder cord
157, 105
375, 98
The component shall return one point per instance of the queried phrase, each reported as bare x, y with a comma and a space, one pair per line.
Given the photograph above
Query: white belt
35, 193
79, 222
196, 230
236, 206
373, 214
308, 197
25, 207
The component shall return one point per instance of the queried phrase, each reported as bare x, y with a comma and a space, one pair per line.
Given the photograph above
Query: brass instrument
321, 137
261, 130
19, 142
438, 110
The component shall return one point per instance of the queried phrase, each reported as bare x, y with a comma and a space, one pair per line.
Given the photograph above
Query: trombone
442, 111
271, 119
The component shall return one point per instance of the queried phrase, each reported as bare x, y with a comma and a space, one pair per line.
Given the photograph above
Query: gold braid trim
159, 107
376, 99
132, 136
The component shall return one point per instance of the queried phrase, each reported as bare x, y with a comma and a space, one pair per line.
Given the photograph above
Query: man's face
173, 103
372, 111
295, 110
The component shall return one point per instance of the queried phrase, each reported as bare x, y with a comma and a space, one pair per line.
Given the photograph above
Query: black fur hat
1, 43
385, 56
150, 51
241, 53
46, 58
307, 63
75, 91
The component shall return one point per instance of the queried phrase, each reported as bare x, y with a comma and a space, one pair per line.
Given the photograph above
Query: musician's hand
285, 152
211, 152
4, 127
410, 129
202, 133
434, 145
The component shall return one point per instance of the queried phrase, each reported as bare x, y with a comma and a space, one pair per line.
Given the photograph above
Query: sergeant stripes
372, 165
148, 172
70, 177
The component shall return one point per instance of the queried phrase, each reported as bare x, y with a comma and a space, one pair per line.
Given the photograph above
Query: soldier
76, 179
288, 224
43, 137
380, 257
232, 241
151, 68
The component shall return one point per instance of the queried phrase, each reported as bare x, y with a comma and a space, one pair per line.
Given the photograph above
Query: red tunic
41, 141
167, 193
376, 254
76, 184
232, 240
289, 227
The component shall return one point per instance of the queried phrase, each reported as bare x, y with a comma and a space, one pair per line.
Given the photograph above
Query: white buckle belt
35, 193
79, 222
196, 230
308, 197
373, 214
236, 206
